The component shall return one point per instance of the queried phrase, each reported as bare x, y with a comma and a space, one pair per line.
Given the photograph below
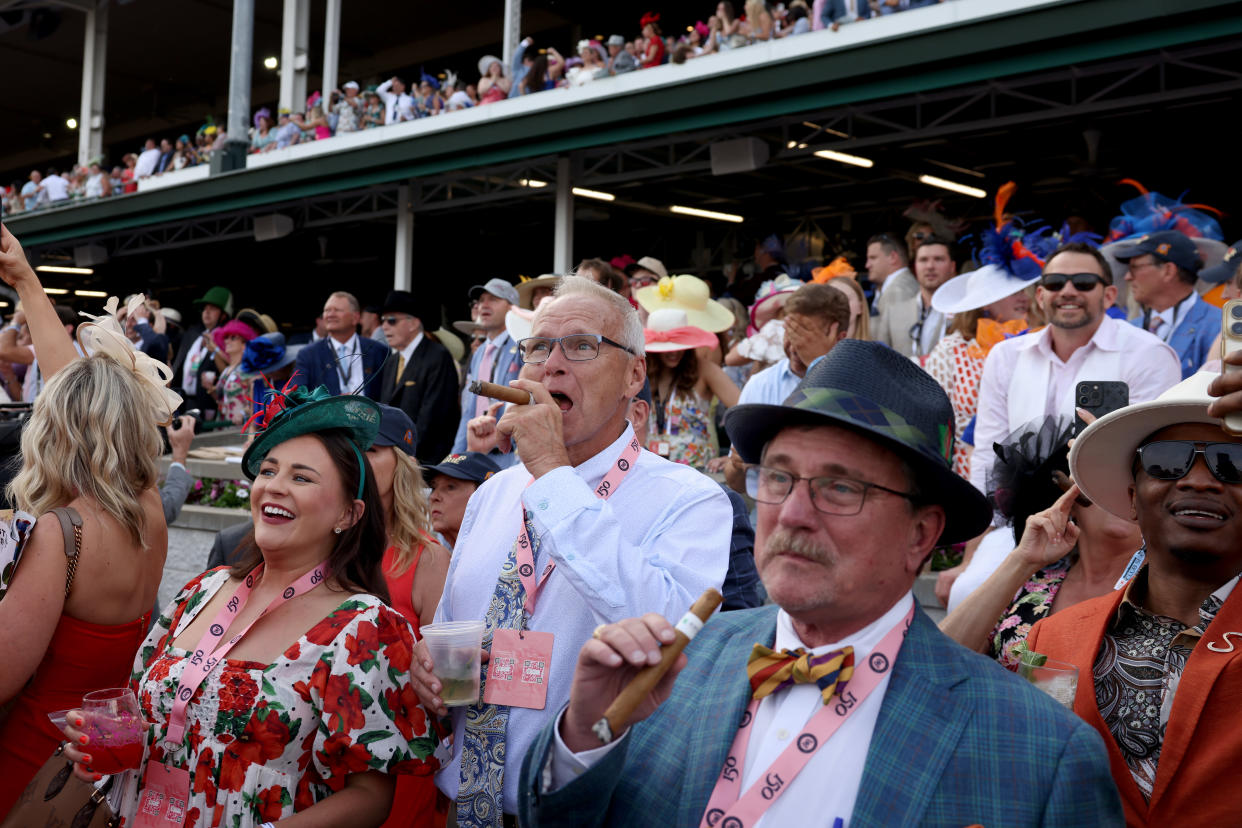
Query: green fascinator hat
294, 412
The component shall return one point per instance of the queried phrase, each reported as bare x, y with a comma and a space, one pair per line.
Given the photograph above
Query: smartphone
1230, 341
1099, 397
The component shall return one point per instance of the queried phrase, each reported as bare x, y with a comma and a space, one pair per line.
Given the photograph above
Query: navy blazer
316, 365
959, 741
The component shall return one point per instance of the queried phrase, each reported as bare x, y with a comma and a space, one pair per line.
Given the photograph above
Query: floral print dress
1033, 602
266, 741
687, 428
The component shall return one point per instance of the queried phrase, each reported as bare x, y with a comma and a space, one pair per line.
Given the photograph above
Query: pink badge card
517, 674
164, 797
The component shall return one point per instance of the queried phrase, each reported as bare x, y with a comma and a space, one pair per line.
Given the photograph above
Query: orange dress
81, 657
414, 803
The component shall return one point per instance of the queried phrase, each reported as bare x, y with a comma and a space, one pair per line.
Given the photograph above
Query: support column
94, 71
331, 48
403, 267
295, 34
512, 29
241, 57
563, 230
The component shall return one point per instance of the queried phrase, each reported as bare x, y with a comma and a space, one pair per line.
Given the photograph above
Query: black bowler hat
870, 388
1167, 246
402, 301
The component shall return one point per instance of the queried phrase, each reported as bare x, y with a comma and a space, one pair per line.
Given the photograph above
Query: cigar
623, 706
1064, 484
513, 396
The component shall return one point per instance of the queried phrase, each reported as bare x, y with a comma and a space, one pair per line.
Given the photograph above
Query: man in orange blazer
1160, 660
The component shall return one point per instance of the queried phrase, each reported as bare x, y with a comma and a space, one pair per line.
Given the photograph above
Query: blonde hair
91, 433
862, 328
410, 520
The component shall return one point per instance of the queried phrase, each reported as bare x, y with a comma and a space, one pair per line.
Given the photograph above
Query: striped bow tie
770, 670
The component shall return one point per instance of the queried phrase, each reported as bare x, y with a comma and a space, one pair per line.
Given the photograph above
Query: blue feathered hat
1152, 212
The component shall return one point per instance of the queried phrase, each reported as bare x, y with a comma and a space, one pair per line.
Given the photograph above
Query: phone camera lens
1236, 328
1236, 310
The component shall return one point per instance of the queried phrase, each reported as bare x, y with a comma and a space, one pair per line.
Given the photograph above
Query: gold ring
596, 634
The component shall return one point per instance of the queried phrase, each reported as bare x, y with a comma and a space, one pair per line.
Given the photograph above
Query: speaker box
272, 226
89, 255
741, 155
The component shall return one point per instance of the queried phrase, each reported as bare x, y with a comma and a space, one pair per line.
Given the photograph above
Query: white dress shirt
55, 188
349, 363
654, 546
407, 353
145, 165
1146, 364
771, 386
1169, 317
396, 107
781, 717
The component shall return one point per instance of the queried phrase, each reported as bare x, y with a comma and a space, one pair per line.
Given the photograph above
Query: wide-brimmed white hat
978, 289
518, 323
690, 294
486, 62
670, 330
1103, 455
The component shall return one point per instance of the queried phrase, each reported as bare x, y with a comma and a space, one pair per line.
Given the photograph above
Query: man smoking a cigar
884, 721
610, 532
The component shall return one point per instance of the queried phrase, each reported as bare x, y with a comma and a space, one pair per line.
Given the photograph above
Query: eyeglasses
1082, 282
576, 347
830, 495
1172, 459
392, 320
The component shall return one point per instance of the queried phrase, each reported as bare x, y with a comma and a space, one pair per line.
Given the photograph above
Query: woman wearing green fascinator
282, 684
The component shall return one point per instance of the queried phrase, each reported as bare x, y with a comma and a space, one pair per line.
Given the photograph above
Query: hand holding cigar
626, 671
513, 396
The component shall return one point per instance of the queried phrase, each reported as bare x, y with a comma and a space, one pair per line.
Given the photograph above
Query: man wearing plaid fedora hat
845, 679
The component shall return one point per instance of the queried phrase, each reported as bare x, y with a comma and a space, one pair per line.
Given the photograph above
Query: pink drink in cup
115, 728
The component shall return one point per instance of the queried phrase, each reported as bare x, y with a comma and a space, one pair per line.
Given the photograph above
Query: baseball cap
1224, 271
1166, 245
498, 288
469, 465
397, 429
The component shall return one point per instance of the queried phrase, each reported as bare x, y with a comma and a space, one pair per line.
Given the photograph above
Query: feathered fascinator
1151, 212
431, 79
932, 212
649, 17
1020, 481
105, 334
262, 113
837, 267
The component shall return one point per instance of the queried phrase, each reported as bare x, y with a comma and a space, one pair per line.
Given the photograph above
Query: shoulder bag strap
71, 527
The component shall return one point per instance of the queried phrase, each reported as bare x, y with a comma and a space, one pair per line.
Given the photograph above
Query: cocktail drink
115, 729
455, 648
1058, 679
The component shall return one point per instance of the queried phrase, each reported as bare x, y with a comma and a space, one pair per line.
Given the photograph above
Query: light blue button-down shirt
654, 546
771, 386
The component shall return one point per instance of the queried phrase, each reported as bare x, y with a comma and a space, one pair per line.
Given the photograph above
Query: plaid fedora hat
870, 388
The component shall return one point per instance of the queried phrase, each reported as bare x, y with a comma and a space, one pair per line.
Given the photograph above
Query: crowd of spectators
394, 100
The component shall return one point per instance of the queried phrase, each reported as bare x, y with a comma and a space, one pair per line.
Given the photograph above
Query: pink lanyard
207, 656
728, 806
605, 489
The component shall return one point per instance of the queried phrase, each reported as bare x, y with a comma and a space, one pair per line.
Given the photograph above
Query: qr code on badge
152, 802
533, 671
176, 811
502, 668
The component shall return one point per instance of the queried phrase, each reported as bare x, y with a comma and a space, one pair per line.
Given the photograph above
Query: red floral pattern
265, 742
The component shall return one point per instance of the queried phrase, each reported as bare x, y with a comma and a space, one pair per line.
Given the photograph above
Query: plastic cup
1059, 679
117, 732
455, 648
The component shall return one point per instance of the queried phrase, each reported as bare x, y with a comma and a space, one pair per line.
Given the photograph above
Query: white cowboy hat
690, 294
1102, 457
978, 289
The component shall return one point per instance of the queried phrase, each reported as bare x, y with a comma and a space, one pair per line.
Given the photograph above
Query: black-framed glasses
575, 347
1082, 282
392, 320
830, 494
1172, 459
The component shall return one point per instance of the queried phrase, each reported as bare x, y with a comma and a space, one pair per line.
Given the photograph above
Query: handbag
55, 797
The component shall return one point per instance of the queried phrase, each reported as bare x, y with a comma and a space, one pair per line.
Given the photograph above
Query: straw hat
1101, 460
526, 288
668, 330
690, 294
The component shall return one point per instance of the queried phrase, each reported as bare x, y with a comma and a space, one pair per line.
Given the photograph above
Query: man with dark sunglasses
1034, 376
1159, 672
1162, 269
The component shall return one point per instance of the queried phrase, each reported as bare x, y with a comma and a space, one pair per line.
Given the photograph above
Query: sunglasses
1172, 459
391, 320
1082, 282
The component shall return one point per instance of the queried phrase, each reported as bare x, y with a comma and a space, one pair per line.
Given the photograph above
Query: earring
338, 530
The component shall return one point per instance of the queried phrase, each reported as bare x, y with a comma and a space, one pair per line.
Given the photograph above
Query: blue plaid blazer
959, 741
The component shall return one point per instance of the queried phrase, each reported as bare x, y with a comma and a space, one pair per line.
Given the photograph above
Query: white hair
630, 325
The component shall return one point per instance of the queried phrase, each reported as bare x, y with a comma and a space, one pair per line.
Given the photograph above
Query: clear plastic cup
1058, 679
455, 648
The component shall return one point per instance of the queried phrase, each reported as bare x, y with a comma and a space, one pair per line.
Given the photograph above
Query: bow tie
770, 670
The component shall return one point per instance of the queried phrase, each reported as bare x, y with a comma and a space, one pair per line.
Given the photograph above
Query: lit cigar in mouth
513, 396
624, 705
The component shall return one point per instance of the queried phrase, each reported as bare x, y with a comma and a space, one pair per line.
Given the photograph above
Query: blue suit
1194, 336
958, 741
316, 365
504, 368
